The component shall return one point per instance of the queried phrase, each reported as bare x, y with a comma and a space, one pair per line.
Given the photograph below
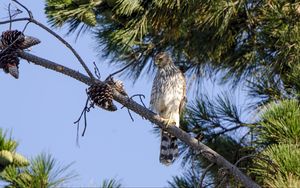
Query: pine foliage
280, 124
43, 171
8, 154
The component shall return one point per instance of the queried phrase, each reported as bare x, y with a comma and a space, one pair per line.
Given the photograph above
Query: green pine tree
42, 172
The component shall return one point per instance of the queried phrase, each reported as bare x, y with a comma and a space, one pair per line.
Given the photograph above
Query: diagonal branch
66, 44
199, 147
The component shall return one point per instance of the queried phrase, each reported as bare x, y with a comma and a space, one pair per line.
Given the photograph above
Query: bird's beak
13, 70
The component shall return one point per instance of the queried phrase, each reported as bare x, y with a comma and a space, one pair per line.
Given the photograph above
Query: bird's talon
169, 122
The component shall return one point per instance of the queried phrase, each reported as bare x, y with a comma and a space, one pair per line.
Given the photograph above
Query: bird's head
162, 59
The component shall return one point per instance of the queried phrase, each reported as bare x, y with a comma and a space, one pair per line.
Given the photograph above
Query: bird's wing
183, 99
153, 95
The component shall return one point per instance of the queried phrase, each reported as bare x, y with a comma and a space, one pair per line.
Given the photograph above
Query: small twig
10, 17
204, 174
25, 27
24, 7
141, 96
18, 11
131, 117
85, 122
83, 113
97, 71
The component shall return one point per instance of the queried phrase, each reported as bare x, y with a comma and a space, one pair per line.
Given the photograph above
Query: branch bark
201, 148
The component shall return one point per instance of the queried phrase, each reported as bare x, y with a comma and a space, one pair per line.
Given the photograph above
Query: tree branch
66, 44
199, 147
14, 20
31, 19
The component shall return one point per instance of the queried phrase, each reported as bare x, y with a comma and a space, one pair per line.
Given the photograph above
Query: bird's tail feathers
168, 148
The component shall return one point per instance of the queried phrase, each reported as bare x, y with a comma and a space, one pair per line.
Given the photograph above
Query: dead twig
25, 27
10, 17
83, 113
24, 7
141, 96
97, 71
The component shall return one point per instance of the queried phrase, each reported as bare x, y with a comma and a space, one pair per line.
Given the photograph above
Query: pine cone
102, 96
14, 38
9, 62
117, 84
22, 41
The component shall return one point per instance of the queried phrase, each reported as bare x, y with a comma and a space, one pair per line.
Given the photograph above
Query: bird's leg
169, 122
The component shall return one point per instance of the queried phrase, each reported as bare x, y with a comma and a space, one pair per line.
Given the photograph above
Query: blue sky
41, 106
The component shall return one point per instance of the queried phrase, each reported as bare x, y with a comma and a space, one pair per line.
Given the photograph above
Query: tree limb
199, 147
31, 19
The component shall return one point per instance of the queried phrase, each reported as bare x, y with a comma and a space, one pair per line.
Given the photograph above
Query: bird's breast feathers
167, 93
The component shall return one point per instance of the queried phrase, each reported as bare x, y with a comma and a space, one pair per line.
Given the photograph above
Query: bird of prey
168, 98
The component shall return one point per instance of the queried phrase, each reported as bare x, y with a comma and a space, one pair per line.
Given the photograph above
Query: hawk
168, 98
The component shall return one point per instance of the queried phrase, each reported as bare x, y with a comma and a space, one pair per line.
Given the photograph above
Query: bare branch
31, 19
67, 45
56, 67
204, 150
14, 20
